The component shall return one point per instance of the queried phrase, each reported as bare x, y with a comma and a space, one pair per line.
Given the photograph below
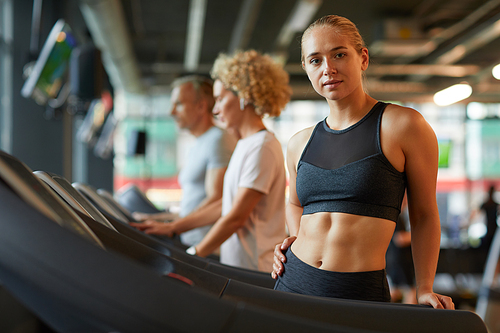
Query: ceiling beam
434, 70
107, 25
196, 23
137, 21
412, 69
467, 23
298, 20
473, 42
160, 68
245, 25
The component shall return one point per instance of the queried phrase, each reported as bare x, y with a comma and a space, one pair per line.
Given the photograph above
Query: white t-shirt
211, 150
257, 163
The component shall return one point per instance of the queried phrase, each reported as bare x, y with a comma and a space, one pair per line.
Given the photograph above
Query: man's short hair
203, 87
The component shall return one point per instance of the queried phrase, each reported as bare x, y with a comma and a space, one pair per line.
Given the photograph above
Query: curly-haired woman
250, 218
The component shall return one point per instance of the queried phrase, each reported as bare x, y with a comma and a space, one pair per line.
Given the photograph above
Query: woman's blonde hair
256, 78
342, 25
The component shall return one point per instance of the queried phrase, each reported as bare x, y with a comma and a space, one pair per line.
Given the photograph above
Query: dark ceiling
417, 47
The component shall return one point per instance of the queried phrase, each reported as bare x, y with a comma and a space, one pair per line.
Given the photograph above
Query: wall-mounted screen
47, 76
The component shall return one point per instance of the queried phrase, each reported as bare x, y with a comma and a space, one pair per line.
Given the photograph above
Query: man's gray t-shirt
211, 150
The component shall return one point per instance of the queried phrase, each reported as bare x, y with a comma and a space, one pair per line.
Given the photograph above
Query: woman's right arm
293, 207
162, 216
206, 215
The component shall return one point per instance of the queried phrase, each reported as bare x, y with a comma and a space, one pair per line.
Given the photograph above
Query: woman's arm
420, 149
214, 182
293, 214
244, 202
293, 207
205, 215
161, 216
207, 212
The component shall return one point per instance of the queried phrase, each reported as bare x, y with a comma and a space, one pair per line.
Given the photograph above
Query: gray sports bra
345, 171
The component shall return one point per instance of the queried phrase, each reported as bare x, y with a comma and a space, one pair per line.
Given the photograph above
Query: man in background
202, 175
490, 208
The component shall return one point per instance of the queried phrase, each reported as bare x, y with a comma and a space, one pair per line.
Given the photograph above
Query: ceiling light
476, 111
496, 72
452, 94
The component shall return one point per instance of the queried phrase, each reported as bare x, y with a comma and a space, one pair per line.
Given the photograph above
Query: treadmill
71, 196
57, 267
488, 302
75, 199
132, 198
91, 194
71, 282
107, 196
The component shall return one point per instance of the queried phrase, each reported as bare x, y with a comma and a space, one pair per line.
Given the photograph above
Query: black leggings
301, 278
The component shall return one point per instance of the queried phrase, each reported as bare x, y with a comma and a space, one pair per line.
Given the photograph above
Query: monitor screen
47, 75
445, 147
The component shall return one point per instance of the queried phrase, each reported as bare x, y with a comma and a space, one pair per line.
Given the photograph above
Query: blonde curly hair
256, 78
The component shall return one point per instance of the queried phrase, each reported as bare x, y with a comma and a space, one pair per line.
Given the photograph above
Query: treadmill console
22, 181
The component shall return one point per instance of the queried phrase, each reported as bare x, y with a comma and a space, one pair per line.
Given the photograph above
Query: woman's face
227, 106
332, 64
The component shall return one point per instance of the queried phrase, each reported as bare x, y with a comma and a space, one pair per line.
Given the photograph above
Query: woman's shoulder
405, 123
301, 138
402, 111
403, 117
297, 143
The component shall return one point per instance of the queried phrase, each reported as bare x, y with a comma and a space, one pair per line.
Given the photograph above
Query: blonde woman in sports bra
348, 176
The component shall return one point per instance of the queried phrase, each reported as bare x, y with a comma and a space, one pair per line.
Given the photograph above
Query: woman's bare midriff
343, 242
